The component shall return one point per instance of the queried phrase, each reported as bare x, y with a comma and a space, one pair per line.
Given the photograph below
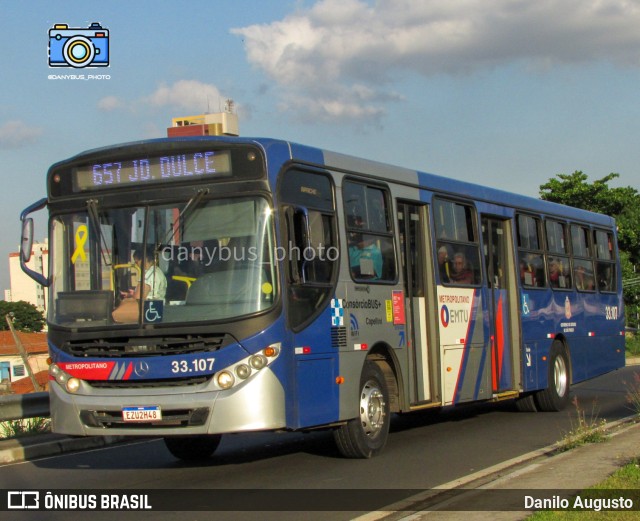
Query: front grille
152, 346
174, 418
147, 384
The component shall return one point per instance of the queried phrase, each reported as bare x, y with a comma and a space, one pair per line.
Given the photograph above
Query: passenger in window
462, 272
365, 257
584, 281
525, 274
192, 261
531, 270
198, 258
154, 286
605, 277
195, 264
555, 274
444, 264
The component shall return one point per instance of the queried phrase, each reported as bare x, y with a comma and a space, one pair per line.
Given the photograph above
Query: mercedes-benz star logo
141, 368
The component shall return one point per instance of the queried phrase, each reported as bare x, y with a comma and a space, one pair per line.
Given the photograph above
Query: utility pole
23, 352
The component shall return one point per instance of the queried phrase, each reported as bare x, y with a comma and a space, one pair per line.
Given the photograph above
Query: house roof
33, 343
24, 385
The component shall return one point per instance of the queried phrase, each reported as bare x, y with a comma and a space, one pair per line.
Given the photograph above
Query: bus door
502, 293
310, 236
415, 254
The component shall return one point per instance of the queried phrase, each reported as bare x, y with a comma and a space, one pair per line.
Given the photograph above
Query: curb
15, 452
404, 510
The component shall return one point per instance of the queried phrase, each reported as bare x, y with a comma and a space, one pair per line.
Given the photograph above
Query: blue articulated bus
211, 285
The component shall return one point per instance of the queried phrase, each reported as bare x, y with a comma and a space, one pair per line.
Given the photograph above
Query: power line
635, 281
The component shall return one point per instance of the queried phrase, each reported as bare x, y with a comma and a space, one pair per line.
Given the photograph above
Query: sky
505, 93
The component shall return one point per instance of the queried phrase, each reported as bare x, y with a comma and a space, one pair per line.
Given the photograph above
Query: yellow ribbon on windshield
82, 233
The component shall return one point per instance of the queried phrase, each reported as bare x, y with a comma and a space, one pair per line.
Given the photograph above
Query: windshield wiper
191, 205
92, 210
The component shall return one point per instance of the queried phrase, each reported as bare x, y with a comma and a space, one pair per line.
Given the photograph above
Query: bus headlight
73, 384
243, 371
60, 376
258, 361
54, 370
65, 380
225, 379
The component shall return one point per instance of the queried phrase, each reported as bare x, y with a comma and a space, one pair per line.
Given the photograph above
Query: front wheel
366, 435
192, 448
556, 396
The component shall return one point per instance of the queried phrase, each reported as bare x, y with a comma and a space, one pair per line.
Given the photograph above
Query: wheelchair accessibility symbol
153, 311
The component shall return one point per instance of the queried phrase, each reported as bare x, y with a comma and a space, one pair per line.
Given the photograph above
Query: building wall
17, 370
22, 286
12, 367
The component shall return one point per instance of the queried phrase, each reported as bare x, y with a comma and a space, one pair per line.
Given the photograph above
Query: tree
26, 317
621, 203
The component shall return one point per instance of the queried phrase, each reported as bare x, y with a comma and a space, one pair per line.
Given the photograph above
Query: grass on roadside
584, 429
633, 392
626, 478
25, 427
632, 345
592, 430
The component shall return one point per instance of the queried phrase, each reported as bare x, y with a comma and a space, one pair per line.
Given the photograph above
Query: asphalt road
425, 449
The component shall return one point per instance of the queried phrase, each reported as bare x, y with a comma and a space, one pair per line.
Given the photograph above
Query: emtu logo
444, 315
78, 47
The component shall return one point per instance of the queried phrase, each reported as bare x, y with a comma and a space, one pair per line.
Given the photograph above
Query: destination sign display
157, 169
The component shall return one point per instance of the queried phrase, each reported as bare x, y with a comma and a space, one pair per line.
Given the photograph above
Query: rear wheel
526, 403
366, 435
556, 396
193, 448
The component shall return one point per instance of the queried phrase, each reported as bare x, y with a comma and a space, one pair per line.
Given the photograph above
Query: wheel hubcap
560, 376
372, 409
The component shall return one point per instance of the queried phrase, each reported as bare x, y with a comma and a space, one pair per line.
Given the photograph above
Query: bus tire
192, 448
526, 403
556, 396
366, 435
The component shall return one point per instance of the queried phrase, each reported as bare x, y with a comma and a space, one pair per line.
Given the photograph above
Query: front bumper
257, 404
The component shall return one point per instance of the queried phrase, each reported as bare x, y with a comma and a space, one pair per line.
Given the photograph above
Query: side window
605, 261
580, 241
369, 234
457, 244
310, 248
583, 274
530, 256
556, 237
558, 262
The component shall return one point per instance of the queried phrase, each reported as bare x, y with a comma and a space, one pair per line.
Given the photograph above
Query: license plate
149, 413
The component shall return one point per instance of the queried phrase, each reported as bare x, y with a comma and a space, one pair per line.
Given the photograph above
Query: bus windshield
200, 260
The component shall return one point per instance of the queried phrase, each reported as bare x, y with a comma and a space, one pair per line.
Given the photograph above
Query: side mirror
27, 240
